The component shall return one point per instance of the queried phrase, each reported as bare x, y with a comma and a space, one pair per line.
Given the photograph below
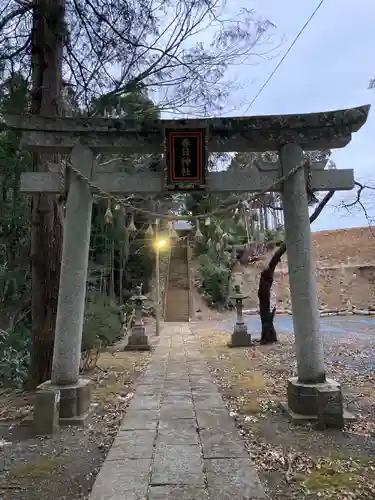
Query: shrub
14, 355
214, 275
102, 320
269, 235
102, 327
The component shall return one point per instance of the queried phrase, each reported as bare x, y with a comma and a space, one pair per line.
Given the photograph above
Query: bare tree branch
115, 48
361, 188
267, 316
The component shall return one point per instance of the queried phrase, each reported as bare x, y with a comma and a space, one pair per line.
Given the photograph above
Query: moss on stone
40, 468
338, 472
250, 407
254, 381
328, 479
105, 393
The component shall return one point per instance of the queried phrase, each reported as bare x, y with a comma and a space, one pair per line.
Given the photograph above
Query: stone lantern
138, 340
240, 337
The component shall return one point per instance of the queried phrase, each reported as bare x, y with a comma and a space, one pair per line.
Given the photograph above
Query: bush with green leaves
14, 355
102, 327
214, 272
103, 323
271, 236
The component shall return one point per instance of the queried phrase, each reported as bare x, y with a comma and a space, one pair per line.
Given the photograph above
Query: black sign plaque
186, 159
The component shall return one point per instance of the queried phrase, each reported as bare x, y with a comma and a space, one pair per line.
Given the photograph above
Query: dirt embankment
345, 261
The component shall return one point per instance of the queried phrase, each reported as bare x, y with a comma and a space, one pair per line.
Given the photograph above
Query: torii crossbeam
152, 183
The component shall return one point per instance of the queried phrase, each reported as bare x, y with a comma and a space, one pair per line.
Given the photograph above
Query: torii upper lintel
312, 131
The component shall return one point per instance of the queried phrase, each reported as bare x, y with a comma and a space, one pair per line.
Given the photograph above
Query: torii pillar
74, 391
303, 390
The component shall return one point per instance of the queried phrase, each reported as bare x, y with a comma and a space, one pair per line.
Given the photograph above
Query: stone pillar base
320, 403
74, 403
240, 337
138, 340
46, 412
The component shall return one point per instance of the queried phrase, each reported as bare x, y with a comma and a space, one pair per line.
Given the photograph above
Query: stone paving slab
133, 412
230, 479
174, 397
175, 377
178, 390
177, 440
149, 390
221, 444
133, 444
177, 464
173, 492
152, 377
124, 479
138, 423
214, 418
207, 401
177, 385
177, 410
140, 420
200, 382
155, 381
178, 431
142, 402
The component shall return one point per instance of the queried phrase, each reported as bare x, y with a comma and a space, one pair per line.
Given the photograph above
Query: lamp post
159, 244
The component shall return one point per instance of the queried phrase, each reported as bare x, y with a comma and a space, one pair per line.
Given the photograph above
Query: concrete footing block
73, 405
139, 347
319, 403
45, 419
240, 337
138, 340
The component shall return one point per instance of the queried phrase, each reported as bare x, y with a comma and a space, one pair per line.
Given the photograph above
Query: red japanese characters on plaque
186, 159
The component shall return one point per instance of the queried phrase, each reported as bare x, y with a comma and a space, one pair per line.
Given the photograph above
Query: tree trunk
268, 334
265, 212
112, 268
252, 226
46, 237
261, 219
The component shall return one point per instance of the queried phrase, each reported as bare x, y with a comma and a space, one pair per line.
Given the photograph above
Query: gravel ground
43, 468
64, 466
300, 462
294, 462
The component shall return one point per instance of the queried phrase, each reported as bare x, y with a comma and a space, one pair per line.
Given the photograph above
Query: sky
329, 68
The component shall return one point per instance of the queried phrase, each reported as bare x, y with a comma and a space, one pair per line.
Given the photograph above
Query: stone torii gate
290, 135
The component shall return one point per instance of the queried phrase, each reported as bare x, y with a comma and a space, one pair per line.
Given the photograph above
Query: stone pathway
177, 441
